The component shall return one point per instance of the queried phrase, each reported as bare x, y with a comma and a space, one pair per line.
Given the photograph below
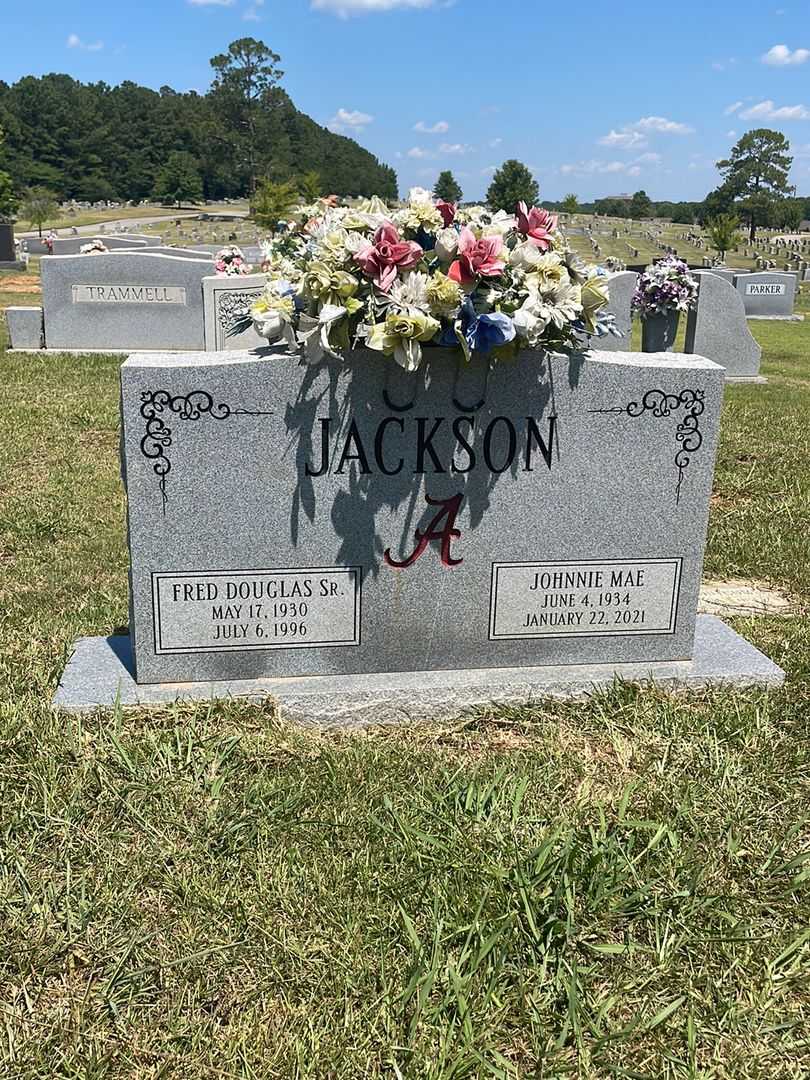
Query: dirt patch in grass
21, 283
740, 597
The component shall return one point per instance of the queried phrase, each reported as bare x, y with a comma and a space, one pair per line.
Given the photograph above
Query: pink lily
448, 211
381, 260
536, 225
476, 258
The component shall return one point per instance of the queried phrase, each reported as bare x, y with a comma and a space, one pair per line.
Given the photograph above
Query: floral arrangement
427, 274
230, 262
95, 247
664, 287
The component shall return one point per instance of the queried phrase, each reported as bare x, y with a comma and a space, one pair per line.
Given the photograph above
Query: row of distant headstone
138, 296
717, 327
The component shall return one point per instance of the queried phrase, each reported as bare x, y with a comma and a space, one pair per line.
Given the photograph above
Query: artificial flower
400, 336
477, 258
448, 211
444, 296
388, 253
536, 225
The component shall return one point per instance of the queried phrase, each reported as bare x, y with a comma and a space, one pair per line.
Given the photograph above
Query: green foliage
722, 232
511, 184
309, 186
179, 180
102, 142
789, 213
447, 187
8, 198
640, 205
272, 202
570, 204
38, 204
756, 173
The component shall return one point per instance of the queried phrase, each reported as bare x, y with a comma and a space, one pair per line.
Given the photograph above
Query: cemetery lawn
619, 888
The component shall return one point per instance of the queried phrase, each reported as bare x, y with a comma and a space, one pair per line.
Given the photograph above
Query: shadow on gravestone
717, 328
481, 392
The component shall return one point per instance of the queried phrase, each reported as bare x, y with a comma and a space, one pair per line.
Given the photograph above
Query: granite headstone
622, 287
123, 300
767, 294
287, 520
716, 328
227, 302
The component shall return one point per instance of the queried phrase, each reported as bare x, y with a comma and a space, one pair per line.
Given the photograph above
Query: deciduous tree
511, 184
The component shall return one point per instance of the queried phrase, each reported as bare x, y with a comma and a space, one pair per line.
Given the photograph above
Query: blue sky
597, 98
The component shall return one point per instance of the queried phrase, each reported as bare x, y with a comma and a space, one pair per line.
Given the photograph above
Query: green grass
619, 888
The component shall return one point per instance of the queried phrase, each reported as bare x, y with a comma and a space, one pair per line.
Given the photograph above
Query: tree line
94, 142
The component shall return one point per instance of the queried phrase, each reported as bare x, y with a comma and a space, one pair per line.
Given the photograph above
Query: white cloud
627, 168
490, 170
345, 8
721, 65
495, 143
351, 120
455, 148
733, 108
767, 110
662, 125
252, 14
781, 56
75, 42
211, 3
623, 140
731, 134
634, 136
419, 153
441, 127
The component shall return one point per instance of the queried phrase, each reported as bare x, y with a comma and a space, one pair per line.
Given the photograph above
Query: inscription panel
764, 289
129, 294
590, 599
240, 610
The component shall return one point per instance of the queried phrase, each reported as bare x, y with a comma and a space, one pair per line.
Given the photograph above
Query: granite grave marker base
348, 529
100, 676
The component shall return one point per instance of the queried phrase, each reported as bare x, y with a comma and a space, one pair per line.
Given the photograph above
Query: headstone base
98, 675
775, 318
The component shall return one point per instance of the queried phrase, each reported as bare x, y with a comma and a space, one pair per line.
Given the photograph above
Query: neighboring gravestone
7, 251
716, 328
123, 300
24, 327
767, 294
726, 275
227, 302
72, 245
372, 545
622, 287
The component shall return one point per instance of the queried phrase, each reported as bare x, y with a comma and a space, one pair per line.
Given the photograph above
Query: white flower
420, 195
410, 294
501, 224
447, 245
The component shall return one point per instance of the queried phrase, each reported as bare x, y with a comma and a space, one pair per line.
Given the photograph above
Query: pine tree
511, 184
179, 180
448, 188
757, 174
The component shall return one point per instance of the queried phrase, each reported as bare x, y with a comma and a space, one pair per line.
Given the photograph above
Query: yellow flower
400, 336
329, 286
595, 296
444, 296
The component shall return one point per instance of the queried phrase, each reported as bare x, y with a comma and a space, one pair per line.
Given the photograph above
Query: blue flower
489, 331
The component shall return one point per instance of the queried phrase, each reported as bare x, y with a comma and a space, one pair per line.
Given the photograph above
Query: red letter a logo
446, 533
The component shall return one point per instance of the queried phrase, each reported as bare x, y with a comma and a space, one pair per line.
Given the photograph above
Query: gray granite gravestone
318, 480
7, 251
227, 302
24, 327
123, 300
767, 294
363, 544
622, 287
716, 327
726, 275
72, 245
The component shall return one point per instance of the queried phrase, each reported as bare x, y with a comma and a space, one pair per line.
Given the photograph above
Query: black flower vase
658, 332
